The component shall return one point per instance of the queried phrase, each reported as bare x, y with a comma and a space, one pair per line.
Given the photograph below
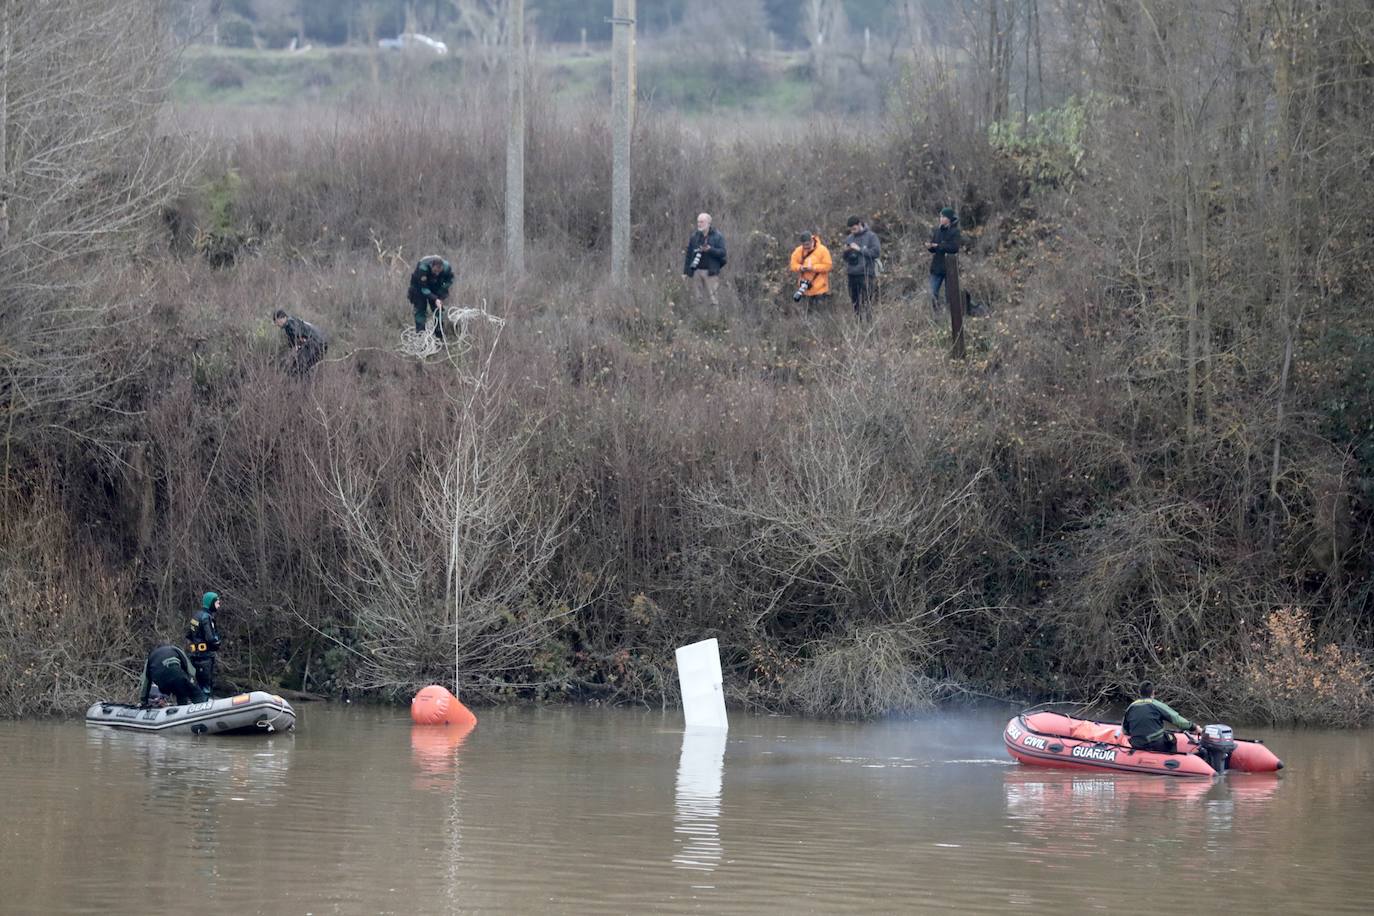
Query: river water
612, 811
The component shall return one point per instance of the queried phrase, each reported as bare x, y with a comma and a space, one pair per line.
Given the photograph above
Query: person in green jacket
169, 671
430, 284
1147, 720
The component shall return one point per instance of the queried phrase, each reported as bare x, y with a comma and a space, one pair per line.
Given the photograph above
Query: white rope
421, 344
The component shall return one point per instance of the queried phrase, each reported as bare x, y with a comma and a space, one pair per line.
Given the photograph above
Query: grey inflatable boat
255, 713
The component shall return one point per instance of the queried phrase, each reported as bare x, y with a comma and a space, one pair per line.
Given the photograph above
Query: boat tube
252, 713
1049, 739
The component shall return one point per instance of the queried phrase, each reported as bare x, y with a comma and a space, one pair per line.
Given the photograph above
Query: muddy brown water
614, 811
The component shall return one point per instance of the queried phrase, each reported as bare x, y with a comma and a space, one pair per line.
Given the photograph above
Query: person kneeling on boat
1146, 721
169, 669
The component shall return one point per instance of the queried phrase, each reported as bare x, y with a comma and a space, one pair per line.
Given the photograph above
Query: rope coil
422, 344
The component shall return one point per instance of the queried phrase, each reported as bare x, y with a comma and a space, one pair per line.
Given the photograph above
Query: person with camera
704, 258
860, 255
944, 240
811, 263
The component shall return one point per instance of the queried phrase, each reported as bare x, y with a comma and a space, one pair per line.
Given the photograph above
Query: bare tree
486, 23
86, 170
826, 27
449, 568
723, 32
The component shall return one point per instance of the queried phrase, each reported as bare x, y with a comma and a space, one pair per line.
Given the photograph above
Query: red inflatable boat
1048, 739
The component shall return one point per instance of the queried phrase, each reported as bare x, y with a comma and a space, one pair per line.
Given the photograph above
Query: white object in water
698, 674
696, 818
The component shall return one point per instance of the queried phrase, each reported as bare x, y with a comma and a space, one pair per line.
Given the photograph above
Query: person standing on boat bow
1147, 720
203, 639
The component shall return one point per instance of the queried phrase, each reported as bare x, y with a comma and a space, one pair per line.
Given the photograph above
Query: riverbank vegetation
1157, 459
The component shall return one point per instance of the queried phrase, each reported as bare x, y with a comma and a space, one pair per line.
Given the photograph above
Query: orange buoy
436, 706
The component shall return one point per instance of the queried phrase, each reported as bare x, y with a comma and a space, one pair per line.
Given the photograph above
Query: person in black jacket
704, 258
944, 240
430, 283
203, 637
305, 345
860, 254
169, 670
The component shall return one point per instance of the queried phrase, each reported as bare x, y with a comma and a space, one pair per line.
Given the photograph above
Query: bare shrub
875, 670
442, 572
67, 626
1285, 676
1135, 590
853, 537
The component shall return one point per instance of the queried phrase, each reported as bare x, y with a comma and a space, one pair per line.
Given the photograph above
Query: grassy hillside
773, 84
1157, 459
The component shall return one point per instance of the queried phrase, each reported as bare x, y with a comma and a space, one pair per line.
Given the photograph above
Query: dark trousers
205, 672
421, 309
861, 292
302, 359
174, 682
1163, 743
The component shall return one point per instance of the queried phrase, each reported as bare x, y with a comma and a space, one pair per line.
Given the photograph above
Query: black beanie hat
947, 212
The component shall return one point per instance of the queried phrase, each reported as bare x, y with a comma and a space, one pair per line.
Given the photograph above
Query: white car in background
413, 40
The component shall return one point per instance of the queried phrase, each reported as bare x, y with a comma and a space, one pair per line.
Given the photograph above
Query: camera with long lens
696, 261
801, 290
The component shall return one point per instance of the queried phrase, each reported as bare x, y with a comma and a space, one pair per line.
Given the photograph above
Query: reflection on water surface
595, 811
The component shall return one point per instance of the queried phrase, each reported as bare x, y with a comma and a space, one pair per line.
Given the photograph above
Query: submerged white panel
698, 674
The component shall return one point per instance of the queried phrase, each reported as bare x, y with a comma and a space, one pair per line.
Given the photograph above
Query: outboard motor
1217, 743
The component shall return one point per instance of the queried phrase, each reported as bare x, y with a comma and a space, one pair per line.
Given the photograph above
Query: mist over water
590, 811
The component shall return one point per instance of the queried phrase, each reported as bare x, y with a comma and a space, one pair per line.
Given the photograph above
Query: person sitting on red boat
1147, 720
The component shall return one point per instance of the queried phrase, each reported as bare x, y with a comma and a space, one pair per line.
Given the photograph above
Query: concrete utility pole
515, 139
622, 89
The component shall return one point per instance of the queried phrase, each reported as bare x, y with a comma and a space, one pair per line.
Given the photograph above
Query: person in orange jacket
811, 262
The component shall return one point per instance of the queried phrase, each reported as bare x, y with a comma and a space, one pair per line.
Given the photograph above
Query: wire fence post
955, 301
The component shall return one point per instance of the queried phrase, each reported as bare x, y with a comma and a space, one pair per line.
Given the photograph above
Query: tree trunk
1285, 90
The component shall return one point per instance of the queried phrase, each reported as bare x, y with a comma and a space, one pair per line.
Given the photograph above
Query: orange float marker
434, 705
